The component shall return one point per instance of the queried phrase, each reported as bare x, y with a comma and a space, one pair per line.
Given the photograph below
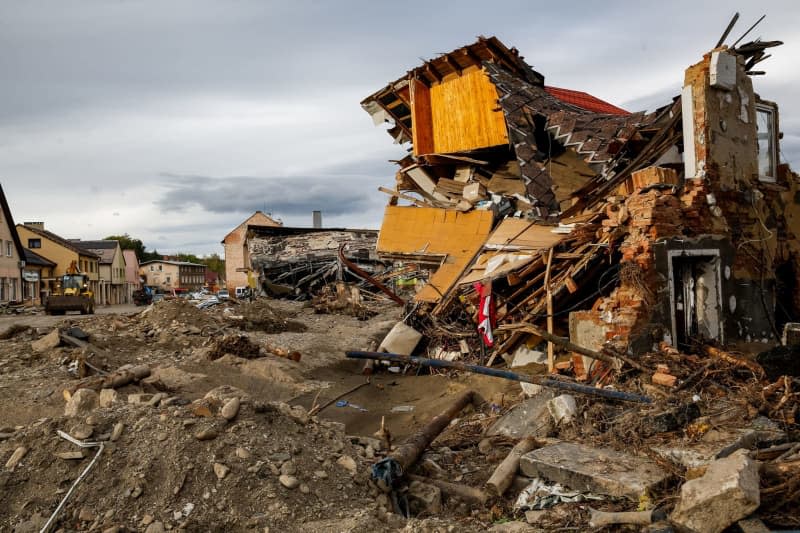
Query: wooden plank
465, 114
421, 121
550, 349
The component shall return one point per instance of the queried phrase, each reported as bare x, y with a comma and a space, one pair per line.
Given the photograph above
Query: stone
290, 482
528, 418
320, 474
599, 470
534, 517
243, 453
305, 489
230, 409
728, 492
485, 446
112, 529
70, 456
563, 409
401, 339
139, 397
83, 402
348, 463
171, 378
752, 525
156, 399
206, 434
221, 470
16, 457
116, 433
155, 527
33, 525
424, 498
82, 432
48, 342
288, 468
86, 515
108, 397
529, 362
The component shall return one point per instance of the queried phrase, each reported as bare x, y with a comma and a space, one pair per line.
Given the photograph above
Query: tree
126, 242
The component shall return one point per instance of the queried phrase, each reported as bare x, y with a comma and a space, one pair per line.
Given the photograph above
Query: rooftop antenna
748, 31
731, 24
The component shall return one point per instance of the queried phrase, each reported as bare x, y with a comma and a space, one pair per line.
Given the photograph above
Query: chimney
39, 225
316, 217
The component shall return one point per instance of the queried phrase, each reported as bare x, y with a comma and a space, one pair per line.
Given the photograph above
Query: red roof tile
585, 101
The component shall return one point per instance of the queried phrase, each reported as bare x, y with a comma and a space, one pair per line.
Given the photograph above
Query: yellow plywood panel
520, 234
437, 232
466, 115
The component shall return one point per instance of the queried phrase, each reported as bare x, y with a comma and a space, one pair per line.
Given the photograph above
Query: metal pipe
505, 374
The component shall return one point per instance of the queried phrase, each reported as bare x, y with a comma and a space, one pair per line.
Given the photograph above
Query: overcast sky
174, 120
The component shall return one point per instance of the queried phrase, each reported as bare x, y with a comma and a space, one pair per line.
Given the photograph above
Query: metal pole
505, 374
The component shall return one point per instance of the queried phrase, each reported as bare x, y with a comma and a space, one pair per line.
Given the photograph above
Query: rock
528, 418
112, 529
320, 474
221, 470
48, 342
529, 361
348, 463
116, 433
305, 489
534, 517
288, 468
108, 397
729, 491
82, 432
230, 409
147, 519
70, 456
33, 525
224, 393
83, 402
16, 457
290, 482
171, 378
243, 453
156, 399
86, 515
206, 434
155, 527
424, 498
485, 446
599, 470
562, 408
139, 397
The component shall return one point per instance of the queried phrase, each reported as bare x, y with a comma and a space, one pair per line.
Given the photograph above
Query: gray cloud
103, 96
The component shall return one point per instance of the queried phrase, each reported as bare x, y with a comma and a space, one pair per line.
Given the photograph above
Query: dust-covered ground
170, 457
249, 417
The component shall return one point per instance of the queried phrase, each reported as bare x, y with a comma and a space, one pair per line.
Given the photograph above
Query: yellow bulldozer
72, 294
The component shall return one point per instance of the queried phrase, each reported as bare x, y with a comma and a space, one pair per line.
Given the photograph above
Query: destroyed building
297, 261
635, 228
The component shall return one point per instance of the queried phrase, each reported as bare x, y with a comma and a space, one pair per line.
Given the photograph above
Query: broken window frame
771, 138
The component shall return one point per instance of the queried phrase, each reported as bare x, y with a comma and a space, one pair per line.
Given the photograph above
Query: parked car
223, 294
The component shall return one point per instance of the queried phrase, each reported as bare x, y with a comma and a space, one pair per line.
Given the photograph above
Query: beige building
236, 255
62, 252
111, 284
169, 276
12, 256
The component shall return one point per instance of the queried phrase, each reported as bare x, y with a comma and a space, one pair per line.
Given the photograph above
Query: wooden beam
430, 69
453, 64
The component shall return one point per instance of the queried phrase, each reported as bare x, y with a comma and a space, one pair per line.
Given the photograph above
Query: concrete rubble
598, 470
729, 491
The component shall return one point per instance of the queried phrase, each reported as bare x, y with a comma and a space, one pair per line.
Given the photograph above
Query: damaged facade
296, 262
634, 228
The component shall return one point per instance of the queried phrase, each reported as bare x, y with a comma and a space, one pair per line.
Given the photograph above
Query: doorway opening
695, 296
